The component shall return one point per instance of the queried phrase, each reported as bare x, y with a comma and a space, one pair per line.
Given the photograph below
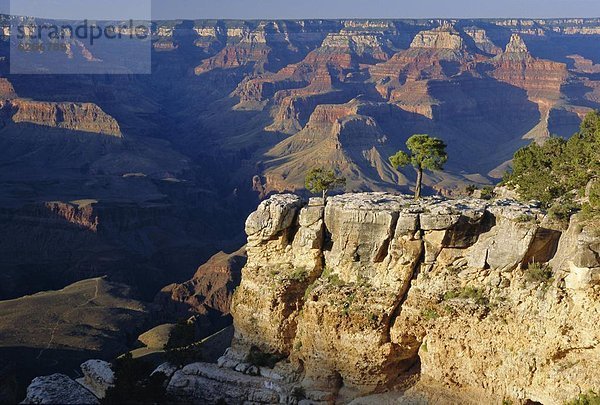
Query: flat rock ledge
58, 389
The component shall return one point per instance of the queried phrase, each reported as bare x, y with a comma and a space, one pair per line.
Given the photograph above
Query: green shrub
183, 334
563, 208
594, 195
538, 273
299, 392
588, 213
331, 277
429, 314
299, 274
468, 292
449, 295
487, 193
524, 218
133, 383
470, 189
259, 358
184, 355
309, 289
589, 398
549, 171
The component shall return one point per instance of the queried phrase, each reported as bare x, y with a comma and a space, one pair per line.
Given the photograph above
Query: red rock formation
235, 56
85, 117
336, 136
541, 78
208, 294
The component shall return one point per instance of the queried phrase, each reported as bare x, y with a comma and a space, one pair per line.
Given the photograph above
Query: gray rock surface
98, 377
58, 389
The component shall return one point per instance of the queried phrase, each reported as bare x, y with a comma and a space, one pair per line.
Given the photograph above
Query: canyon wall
379, 296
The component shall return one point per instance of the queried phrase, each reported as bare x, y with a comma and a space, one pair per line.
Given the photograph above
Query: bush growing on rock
184, 355
538, 273
258, 358
550, 172
487, 193
589, 398
134, 384
183, 334
468, 292
182, 347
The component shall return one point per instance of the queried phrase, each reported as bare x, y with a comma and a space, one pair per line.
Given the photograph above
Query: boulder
201, 383
58, 389
98, 377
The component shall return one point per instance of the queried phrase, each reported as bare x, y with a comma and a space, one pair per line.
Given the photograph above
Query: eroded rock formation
360, 296
207, 296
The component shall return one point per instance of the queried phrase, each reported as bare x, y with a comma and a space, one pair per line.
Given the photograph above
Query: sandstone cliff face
85, 117
445, 37
361, 295
541, 78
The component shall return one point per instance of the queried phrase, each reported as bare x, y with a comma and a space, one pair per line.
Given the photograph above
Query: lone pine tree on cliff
425, 153
320, 180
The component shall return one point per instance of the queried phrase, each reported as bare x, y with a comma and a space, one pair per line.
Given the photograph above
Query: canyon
143, 178
378, 298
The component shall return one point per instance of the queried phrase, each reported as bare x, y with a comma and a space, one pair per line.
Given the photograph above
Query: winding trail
65, 314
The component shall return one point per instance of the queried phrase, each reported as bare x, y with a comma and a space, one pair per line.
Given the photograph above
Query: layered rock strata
362, 295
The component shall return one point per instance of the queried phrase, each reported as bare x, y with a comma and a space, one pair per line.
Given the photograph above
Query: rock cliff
207, 296
84, 117
376, 291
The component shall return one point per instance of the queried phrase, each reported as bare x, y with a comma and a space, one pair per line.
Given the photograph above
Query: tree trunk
418, 185
324, 197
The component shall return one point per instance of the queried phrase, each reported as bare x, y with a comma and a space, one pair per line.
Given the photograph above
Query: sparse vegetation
320, 180
468, 292
562, 209
487, 193
538, 273
373, 319
184, 355
182, 347
331, 277
298, 392
470, 189
426, 153
183, 334
309, 289
348, 303
589, 398
299, 274
429, 314
559, 167
525, 218
133, 383
259, 358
